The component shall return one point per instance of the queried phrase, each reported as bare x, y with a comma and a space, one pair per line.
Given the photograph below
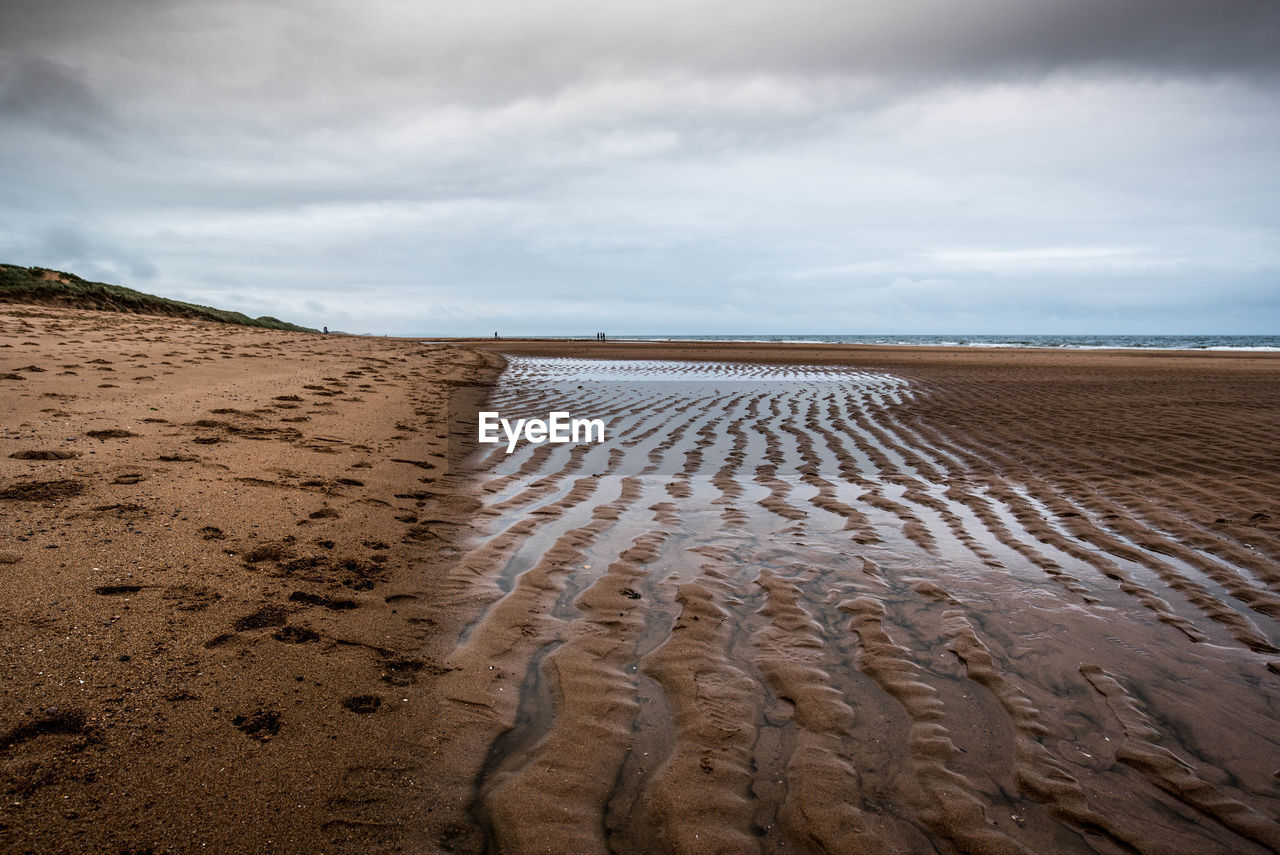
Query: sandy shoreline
777, 612
872, 356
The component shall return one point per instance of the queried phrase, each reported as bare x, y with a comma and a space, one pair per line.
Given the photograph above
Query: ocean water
1080, 342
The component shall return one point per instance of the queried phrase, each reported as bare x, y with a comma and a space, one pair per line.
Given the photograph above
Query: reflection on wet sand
796, 609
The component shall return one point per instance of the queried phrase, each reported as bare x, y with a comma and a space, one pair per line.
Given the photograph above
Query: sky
669, 166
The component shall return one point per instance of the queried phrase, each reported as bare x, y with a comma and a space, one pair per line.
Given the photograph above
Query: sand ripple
790, 608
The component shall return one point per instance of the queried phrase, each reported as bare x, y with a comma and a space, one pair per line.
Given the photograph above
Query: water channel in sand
769, 613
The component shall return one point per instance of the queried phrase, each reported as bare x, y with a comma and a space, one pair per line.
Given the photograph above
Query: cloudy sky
679, 166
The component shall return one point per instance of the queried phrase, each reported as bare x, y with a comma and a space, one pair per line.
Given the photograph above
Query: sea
1076, 342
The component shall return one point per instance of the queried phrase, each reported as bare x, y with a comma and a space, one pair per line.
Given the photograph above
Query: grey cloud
73, 247
52, 94
326, 52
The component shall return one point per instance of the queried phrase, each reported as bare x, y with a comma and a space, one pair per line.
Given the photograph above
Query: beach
267, 593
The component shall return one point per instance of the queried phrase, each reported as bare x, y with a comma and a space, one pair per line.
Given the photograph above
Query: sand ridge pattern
830, 609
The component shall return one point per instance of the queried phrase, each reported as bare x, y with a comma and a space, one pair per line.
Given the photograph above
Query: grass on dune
53, 287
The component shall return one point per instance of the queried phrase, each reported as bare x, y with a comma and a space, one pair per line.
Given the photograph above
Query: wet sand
214, 542
872, 600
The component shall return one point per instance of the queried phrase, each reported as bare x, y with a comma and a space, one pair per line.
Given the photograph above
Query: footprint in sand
42, 491
363, 704
293, 634
267, 616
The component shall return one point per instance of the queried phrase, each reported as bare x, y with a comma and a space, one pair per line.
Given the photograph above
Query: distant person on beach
326, 330
495, 333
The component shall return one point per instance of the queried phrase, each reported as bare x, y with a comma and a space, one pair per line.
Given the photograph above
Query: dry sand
804, 599
213, 544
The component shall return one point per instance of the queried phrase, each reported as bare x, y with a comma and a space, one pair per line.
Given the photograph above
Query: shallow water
771, 612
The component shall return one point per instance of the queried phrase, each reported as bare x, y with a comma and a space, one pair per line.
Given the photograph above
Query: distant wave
1259, 343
